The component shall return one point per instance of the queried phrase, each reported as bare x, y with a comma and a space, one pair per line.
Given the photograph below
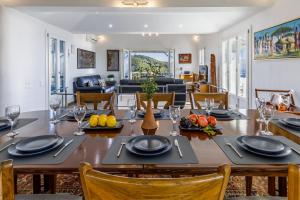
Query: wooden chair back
98, 185
141, 98
267, 94
96, 98
7, 181
221, 98
294, 182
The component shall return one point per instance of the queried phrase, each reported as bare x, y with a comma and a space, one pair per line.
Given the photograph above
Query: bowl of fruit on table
102, 122
200, 123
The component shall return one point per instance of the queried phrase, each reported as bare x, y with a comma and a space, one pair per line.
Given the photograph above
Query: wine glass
260, 105
174, 112
12, 113
55, 102
209, 104
268, 114
131, 103
79, 114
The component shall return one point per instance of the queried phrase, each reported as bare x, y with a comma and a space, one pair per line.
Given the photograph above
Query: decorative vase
149, 125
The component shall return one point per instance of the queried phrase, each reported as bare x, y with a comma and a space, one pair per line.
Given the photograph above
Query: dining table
97, 143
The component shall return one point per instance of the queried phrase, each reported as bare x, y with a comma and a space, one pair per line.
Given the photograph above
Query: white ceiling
162, 16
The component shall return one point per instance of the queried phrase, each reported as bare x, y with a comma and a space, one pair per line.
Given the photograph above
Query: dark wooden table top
94, 148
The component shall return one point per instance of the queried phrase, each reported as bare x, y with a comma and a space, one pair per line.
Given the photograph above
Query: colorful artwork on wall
86, 59
281, 41
185, 58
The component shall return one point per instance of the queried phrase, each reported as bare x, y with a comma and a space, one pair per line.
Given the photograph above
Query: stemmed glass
12, 113
174, 112
209, 105
131, 103
260, 105
79, 114
55, 102
268, 114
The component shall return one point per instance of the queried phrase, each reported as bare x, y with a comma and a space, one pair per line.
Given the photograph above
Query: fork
233, 148
121, 147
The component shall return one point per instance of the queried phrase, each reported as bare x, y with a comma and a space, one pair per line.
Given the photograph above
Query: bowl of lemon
102, 122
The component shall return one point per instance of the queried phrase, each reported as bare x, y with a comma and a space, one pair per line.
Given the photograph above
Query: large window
137, 63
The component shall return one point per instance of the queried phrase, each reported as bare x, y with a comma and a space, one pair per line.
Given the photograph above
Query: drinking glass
131, 103
209, 105
12, 113
55, 102
174, 112
268, 114
79, 115
260, 105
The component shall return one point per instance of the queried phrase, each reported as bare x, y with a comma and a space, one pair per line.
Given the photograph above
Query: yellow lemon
111, 121
93, 121
102, 120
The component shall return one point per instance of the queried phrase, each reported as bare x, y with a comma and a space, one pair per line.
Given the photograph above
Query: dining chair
98, 185
141, 98
7, 187
293, 187
221, 98
96, 98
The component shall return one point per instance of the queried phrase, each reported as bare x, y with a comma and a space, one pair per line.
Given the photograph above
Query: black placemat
291, 130
164, 115
46, 158
233, 115
63, 116
171, 157
253, 159
20, 123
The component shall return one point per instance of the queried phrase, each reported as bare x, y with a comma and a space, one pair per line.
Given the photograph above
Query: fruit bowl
200, 123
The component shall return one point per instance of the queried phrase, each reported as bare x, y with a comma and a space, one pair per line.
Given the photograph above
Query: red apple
212, 121
202, 122
194, 119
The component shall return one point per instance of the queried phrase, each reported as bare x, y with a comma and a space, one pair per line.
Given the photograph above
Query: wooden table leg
282, 186
36, 183
248, 185
50, 183
271, 186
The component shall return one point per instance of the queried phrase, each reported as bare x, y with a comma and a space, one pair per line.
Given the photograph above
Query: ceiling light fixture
146, 26
180, 26
110, 25
135, 3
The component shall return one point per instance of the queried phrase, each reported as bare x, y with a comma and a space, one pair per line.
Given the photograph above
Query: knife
178, 147
61, 149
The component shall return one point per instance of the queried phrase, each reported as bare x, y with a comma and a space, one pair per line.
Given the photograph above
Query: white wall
269, 74
23, 60
181, 44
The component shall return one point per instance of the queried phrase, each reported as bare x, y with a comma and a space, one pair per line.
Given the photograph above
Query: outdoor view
142, 61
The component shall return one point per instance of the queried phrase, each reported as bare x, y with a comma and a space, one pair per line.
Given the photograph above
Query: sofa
164, 85
93, 84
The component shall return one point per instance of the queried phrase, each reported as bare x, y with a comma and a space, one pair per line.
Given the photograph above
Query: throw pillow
102, 83
90, 84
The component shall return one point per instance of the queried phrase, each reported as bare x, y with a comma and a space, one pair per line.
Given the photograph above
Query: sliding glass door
56, 64
235, 70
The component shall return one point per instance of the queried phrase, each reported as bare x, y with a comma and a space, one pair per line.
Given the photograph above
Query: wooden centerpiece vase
149, 125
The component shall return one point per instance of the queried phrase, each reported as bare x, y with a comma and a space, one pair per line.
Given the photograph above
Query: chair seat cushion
257, 198
47, 197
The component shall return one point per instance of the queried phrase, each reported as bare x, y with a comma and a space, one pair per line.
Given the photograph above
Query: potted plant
149, 87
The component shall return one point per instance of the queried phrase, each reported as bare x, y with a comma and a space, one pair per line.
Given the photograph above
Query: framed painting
281, 41
86, 59
113, 60
185, 58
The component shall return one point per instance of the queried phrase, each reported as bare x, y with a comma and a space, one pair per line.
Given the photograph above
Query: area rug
71, 184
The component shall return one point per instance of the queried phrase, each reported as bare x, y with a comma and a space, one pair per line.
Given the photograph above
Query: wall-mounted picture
185, 58
113, 60
281, 41
86, 59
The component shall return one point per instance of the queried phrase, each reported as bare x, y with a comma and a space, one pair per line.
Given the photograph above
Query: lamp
135, 3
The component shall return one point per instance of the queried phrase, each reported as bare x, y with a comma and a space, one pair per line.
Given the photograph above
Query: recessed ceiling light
156, 34
180, 25
146, 26
110, 25
135, 3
